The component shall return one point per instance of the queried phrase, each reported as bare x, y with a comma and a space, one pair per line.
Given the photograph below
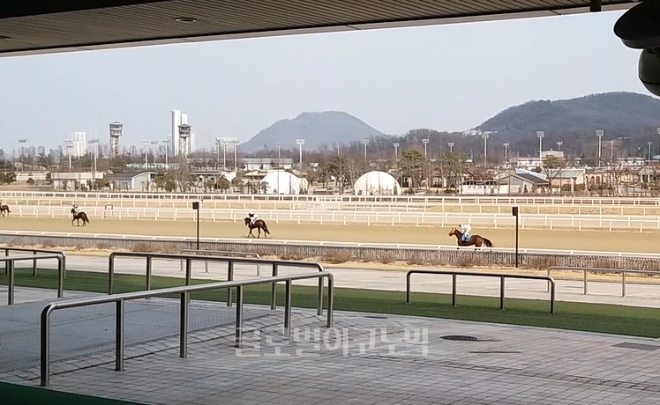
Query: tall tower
116, 129
184, 140
176, 122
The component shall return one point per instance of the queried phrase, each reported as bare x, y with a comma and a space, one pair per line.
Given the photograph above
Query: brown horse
79, 216
476, 240
4, 210
259, 224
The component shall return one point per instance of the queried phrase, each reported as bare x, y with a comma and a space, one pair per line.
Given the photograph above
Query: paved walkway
599, 292
365, 359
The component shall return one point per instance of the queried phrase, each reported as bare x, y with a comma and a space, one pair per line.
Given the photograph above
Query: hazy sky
449, 77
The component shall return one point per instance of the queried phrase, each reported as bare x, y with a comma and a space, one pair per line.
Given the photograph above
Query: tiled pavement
506, 365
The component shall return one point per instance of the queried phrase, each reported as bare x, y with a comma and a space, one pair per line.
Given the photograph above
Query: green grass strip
612, 319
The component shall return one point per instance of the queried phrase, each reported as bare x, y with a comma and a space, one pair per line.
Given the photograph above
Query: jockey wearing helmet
76, 209
465, 230
253, 217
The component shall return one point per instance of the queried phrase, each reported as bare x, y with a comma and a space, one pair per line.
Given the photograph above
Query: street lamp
365, 142
167, 141
599, 134
559, 143
485, 136
95, 153
396, 151
146, 144
425, 142
300, 142
451, 147
540, 135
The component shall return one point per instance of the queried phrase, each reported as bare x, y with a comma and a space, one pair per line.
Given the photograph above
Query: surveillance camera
639, 28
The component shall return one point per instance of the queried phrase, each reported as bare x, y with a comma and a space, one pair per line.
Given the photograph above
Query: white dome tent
281, 182
377, 183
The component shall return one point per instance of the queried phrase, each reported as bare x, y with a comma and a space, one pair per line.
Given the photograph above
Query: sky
446, 77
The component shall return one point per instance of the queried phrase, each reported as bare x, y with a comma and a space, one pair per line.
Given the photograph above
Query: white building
281, 182
377, 183
78, 144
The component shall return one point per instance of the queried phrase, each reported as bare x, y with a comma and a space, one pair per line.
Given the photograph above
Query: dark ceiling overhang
36, 27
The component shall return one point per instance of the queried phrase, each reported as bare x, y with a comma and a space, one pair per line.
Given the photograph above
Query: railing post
584, 280
502, 292
453, 289
331, 300
119, 336
64, 265
230, 277
547, 273
6, 263
148, 273
273, 288
287, 308
60, 277
183, 325
319, 293
238, 337
188, 271
111, 272
10, 283
552, 297
623, 283
45, 347
408, 287
34, 265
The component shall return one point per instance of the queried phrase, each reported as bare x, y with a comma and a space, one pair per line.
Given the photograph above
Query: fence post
45, 347
230, 277
10, 283
453, 290
502, 292
238, 337
331, 300
111, 272
584, 280
119, 336
273, 288
623, 283
287, 308
188, 271
34, 265
183, 325
148, 273
60, 276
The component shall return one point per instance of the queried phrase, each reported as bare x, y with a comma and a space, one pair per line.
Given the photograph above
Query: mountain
631, 118
317, 128
616, 113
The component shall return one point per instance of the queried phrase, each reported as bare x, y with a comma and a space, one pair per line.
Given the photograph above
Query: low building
482, 187
132, 181
267, 163
74, 180
522, 183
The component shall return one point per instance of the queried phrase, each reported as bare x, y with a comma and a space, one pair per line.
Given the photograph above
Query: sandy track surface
616, 241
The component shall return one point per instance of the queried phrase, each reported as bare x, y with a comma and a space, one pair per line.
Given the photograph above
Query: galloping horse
4, 210
79, 216
259, 224
476, 240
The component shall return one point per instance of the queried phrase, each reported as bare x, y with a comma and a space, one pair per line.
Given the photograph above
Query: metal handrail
223, 253
586, 270
10, 260
501, 276
230, 270
185, 292
9, 249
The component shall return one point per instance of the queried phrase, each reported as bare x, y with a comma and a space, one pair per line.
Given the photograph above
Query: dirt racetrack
543, 239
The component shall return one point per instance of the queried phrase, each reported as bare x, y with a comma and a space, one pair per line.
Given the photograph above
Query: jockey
253, 217
76, 209
465, 230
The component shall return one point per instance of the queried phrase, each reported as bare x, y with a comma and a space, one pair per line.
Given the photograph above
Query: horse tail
488, 242
266, 228
84, 215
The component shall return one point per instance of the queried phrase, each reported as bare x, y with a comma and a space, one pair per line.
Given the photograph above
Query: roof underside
74, 25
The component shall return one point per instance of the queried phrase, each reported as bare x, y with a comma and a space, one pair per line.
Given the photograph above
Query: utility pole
300, 142
396, 151
365, 142
599, 134
485, 136
540, 135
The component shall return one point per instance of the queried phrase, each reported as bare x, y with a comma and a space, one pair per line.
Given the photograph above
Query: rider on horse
76, 209
253, 217
465, 230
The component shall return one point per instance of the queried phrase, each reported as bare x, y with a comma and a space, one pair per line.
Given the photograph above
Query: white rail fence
362, 245
467, 207
614, 222
72, 197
